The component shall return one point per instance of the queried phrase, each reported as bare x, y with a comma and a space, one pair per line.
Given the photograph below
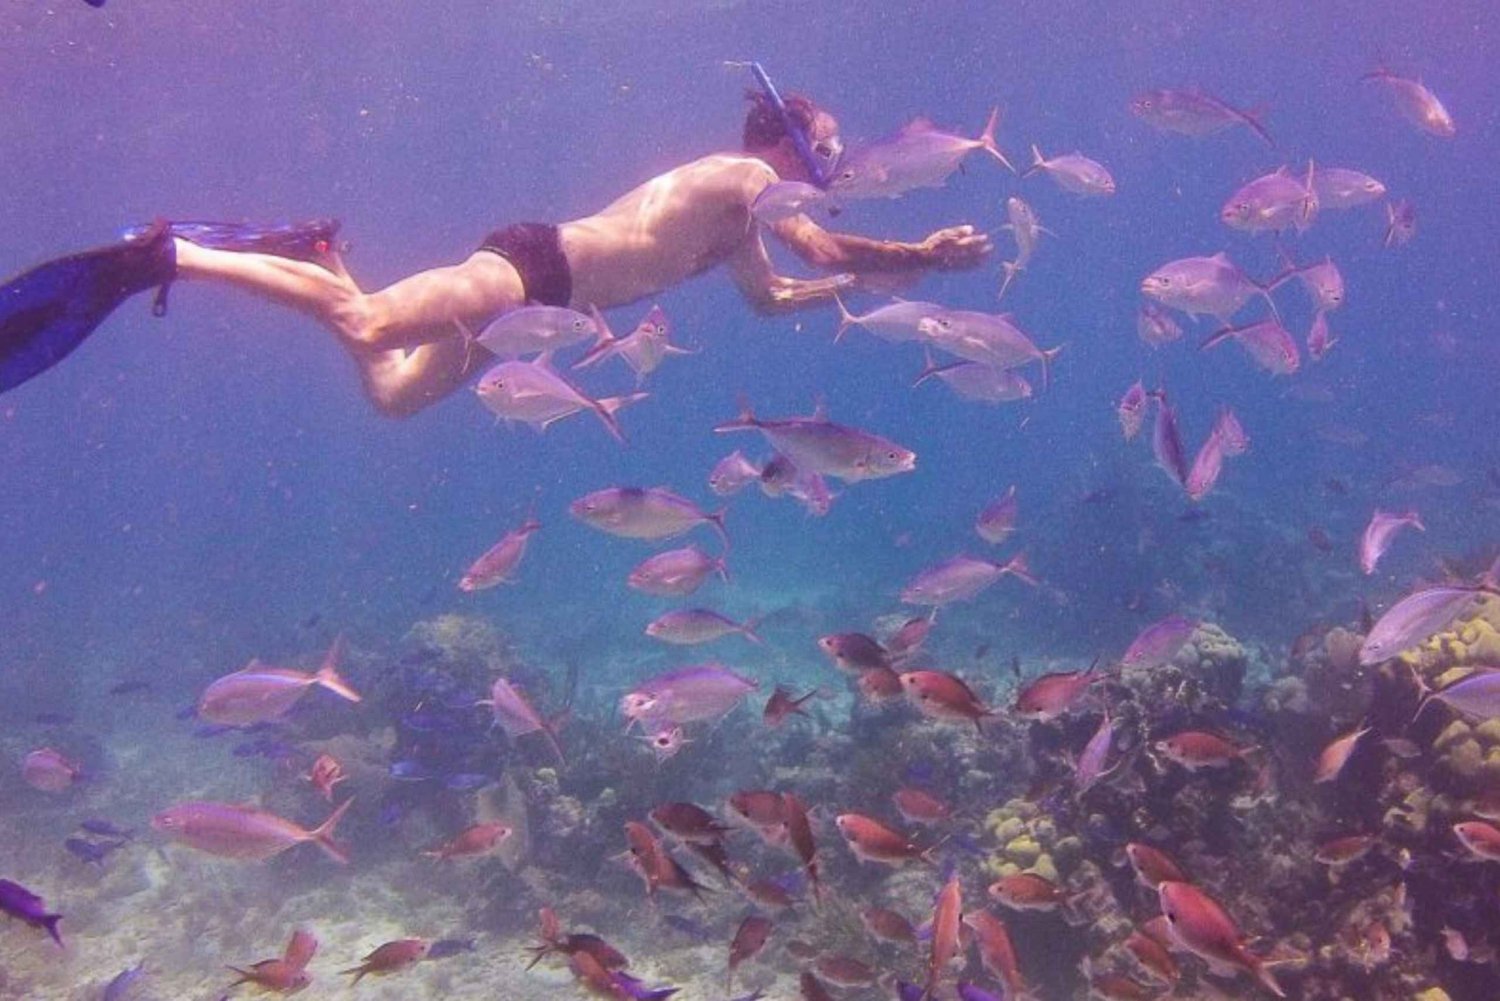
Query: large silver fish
817, 445
919, 156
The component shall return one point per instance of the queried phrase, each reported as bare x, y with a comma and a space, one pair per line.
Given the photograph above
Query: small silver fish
536, 329
1194, 113
972, 380
789, 199
1203, 286
1400, 223
1343, 188
1273, 203
1381, 532
1155, 325
919, 156
639, 513
817, 445
1073, 172
643, 349
997, 521
691, 626
500, 561
531, 392
897, 322
1416, 103
961, 578
732, 474
1266, 341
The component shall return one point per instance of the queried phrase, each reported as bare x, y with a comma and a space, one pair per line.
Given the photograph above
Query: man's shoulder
738, 164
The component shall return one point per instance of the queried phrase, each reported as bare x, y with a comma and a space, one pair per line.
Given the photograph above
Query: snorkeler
408, 339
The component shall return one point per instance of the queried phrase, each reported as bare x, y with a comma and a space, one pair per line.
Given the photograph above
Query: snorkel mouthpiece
798, 135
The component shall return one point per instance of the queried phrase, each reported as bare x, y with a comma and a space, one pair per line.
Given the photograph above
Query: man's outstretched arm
951, 249
769, 292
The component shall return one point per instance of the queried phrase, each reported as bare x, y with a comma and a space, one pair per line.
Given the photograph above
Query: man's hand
955, 248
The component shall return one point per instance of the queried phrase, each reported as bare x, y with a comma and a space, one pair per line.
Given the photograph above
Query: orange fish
799, 832
879, 684
1342, 851
947, 916
326, 773
844, 971
285, 975
887, 926
1051, 695
1152, 866
996, 951
392, 957
1028, 892
258, 693
941, 696
481, 839
919, 807
1336, 755
1194, 749
1482, 839
872, 841
763, 811
233, 830
749, 939
1202, 927
812, 989
1153, 957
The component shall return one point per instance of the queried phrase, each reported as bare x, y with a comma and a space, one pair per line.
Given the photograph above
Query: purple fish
1381, 532
1342, 188
686, 695
1090, 766
1203, 286
960, 579
1266, 341
517, 717
637, 989
531, 392
907, 991
1194, 113
676, 573
120, 987
690, 626
21, 903
1416, 103
1320, 339
972, 380
1207, 465
1400, 222
1416, 617
1073, 172
817, 445
1166, 442
998, 519
732, 474
637, 513
499, 561
1155, 325
1131, 410
643, 349
1273, 203
919, 156
1158, 643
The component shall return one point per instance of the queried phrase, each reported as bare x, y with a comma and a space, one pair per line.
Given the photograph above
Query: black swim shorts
534, 250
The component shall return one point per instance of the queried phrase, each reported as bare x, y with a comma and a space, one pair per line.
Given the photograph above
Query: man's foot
313, 241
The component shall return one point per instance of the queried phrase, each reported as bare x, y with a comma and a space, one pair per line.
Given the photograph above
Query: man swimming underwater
407, 339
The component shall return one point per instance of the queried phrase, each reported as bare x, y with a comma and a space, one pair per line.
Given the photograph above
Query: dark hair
763, 124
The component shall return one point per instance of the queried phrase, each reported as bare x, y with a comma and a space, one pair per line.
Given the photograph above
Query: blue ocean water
188, 492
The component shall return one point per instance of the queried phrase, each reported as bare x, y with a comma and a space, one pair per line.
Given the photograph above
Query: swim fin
309, 241
51, 309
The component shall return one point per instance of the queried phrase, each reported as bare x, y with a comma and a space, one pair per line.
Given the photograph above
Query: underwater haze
1177, 654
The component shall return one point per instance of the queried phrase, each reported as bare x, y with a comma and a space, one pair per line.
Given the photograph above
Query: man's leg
404, 338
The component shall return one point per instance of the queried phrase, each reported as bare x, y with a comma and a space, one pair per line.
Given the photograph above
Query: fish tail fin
358, 971
1255, 120
1390, 226
931, 367
1414, 519
614, 404
1037, 161
1011, 269
846, 318
328, 675
747, 630
1265, 977
549, 730
1424, 692
49, 922
1309, 199
471, 341
605, 344
323, 833
987, 139
1020, 567
721, 568
245, 976
716, 519
1048, 357
607, 418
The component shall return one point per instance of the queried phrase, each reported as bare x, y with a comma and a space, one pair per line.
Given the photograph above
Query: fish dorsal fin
544, 361
820, 411
1221, 257
919, 124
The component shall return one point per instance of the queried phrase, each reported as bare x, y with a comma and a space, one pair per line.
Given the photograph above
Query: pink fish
1155, 325
392, 957
749, 939
1481, 839
1266, 341
676, 573
643, 349
1320, 339
1199, 925
533, 393
782, 704
920, 807
1323, 281
996, 952
1475, 696
1051, 695
690, 626
517, 717
639, 513
817, 445
998, 519
732, 474
1166, 441
1152, 866
1333, 758
238, 831
1207, 465
1416, 103
872, 841
1400, 223
686, 695
1027, 230
961, 578
1194, 113
500, 561
942, 696
49, 771
1073, 172
258, 693
1158, 643
1203, 286
1273, 203
1195, 749
1131, 410
1090, 767
1381, 532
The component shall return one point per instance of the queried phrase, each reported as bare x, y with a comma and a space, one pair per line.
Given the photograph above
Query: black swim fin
51, 309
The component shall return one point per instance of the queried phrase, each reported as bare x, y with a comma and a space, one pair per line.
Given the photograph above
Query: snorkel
815, 167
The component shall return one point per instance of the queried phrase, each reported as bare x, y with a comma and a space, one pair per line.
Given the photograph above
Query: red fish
49, 770
258, 693
763, 811
237, 831
749, 939
887, 926
1051, 695
1194, 749
1028, 892
844, 971
1342, 851
947, 915
942, 696
286, 975
1480, 838
997, 952
1202, 927
1333, 758
799, 832
781, 704
1152, 866
812, 989
499, 562
872, 841
481, 839
919, 807
689, 823
326, 772
392, 957
1153, 957
879, 684
855, 652
1381, 532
